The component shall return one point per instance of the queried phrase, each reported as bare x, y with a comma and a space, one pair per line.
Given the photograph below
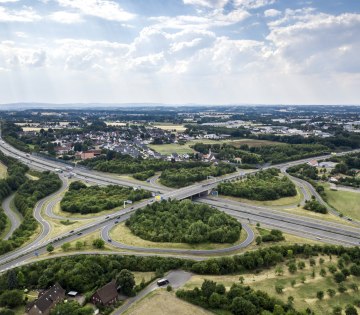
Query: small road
106, 237
345, 188
14, 216
177, 278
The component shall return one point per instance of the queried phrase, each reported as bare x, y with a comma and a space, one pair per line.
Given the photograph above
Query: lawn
3, 171
122, 234
167, 149
346, 202
170, 127
304, 293
161, 302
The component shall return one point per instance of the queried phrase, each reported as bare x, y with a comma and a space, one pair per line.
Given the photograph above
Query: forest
315, 206
182, 177
93, 199
264, 185
183, 222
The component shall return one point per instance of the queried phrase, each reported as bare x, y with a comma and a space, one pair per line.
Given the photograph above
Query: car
72, 231
131, 208
318, 238
118, 217
80, 233
116, 222
109, 240
107, 217
162, 282
349, 219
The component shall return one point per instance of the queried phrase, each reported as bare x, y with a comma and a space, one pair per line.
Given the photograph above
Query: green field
346, 202
167, 149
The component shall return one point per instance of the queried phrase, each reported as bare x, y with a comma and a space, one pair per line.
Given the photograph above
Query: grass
304, 293
122, 234
161, 302
271, 203
167, 149
346, 202
146, 276
3, 171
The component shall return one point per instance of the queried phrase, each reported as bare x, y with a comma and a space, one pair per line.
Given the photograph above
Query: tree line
183, 222
186, 176
93, 199
264, 185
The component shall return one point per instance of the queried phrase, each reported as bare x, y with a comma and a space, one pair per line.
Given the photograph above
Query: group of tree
272, 236
92, 199
315, 206
263, 154
304, 171
264, 185
238, 300
183, 222
186, 176
349, 166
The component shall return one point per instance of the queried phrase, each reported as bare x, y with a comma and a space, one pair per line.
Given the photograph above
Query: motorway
332, 233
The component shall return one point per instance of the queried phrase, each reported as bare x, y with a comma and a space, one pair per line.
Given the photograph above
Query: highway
336, 235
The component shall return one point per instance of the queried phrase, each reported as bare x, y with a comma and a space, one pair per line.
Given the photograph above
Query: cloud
66, 17
104, 9
26, 14
272, 13
253, 4
207, 3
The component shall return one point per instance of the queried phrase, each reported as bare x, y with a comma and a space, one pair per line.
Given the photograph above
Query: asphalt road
106, 237
177, 278
15, 217
306, 227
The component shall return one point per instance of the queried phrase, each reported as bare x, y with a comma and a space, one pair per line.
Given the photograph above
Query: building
46, 301
106, 295
313, 163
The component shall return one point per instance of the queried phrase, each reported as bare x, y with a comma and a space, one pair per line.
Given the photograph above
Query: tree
71, 307
292, 268
240, 306
241, 279
354, 287
11, 298
279, 271
322, 272
337, 310
126, 280
320, 295
50, 248
12, 280
215, 300
208, 288
331, 292
350, 310
293, 282
342, 288
279, 288
79, 245
258, 240
339, 277
66, 247
98, 243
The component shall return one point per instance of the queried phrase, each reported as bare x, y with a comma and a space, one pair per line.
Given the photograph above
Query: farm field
346, 202
161, 302
170, 127
167, 149
303, 290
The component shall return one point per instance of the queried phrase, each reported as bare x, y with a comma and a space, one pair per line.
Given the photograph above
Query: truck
58, 170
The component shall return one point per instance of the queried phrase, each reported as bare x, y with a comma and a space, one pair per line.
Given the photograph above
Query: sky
180, 51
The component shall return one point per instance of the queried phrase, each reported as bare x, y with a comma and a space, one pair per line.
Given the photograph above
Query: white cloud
26, 14
272, 13
105, 9
253, 4
207, 3
66, 17
7, 1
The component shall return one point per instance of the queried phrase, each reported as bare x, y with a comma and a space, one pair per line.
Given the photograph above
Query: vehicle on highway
318, 238
131, 208
72, 231
116, 222
107, 217
80, 233
162, 282
109, 240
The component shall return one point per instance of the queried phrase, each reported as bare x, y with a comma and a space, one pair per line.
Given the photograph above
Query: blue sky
180, 51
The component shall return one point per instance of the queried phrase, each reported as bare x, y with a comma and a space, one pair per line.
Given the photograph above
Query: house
313, 163
238, 160
46, 301
106, 295
209, 157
